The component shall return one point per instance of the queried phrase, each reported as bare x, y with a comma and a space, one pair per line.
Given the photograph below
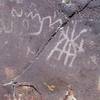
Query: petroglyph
16, 13
92, 43
32, 16
41, 21
22, 91
94, 59
26, 24
55, 14
4, 27
71, 48
4, 45
29, 51
8, 28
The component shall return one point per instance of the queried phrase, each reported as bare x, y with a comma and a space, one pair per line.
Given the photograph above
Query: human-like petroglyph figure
70, 48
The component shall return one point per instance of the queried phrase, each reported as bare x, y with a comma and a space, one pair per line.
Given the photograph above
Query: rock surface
33, 50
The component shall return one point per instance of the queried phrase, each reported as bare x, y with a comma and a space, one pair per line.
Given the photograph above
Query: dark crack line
44, 46
64, 24
85, 5
39, 51
52, 36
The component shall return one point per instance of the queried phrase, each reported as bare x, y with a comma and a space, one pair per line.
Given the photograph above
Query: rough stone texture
31, 53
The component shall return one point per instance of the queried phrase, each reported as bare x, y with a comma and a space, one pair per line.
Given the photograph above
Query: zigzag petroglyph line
41, 21
31, 15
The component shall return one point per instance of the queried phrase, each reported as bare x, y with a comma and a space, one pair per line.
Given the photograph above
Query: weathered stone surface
31, 51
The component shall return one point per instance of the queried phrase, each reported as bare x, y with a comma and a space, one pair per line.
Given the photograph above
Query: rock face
36, 50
